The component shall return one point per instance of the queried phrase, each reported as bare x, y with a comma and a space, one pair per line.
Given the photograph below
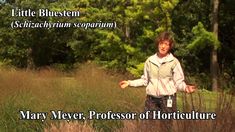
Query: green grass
89, 88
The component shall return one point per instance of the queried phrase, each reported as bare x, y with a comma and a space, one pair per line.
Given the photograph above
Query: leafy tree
32, 47
126, 46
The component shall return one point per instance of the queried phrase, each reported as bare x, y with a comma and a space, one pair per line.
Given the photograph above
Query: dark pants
155, 104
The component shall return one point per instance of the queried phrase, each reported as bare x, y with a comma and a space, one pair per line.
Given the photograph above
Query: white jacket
162, 76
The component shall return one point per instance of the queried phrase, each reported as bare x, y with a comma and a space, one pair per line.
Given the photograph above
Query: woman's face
163, 48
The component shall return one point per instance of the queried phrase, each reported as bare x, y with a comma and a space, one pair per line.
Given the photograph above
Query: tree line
125, 47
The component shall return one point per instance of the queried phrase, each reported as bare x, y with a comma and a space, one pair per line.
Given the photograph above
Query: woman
163, 76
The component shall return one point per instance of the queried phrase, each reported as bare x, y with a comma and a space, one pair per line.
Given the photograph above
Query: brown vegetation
92, 88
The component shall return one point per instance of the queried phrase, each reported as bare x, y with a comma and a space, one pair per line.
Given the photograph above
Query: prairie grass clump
69, 127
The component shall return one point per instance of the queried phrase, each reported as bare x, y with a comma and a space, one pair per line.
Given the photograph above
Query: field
93, 88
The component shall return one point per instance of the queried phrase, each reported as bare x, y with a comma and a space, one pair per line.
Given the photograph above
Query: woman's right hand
123, 84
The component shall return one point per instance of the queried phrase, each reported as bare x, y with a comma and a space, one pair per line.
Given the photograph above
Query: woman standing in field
163, 76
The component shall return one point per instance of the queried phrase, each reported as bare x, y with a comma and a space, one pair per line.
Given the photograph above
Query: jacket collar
155, 59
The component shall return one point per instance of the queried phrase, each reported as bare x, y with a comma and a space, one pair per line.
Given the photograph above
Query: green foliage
137, 71
203, 38
119, 48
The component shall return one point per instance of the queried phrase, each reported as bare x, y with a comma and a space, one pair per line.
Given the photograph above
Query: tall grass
92, 88
89, 88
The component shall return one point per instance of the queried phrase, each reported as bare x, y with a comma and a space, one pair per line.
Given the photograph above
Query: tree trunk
214, 70
30, 63
214, 61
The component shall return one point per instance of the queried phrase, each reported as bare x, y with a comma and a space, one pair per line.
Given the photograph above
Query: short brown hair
165, 36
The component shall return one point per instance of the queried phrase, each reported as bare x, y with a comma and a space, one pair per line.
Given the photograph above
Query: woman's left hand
190, 88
